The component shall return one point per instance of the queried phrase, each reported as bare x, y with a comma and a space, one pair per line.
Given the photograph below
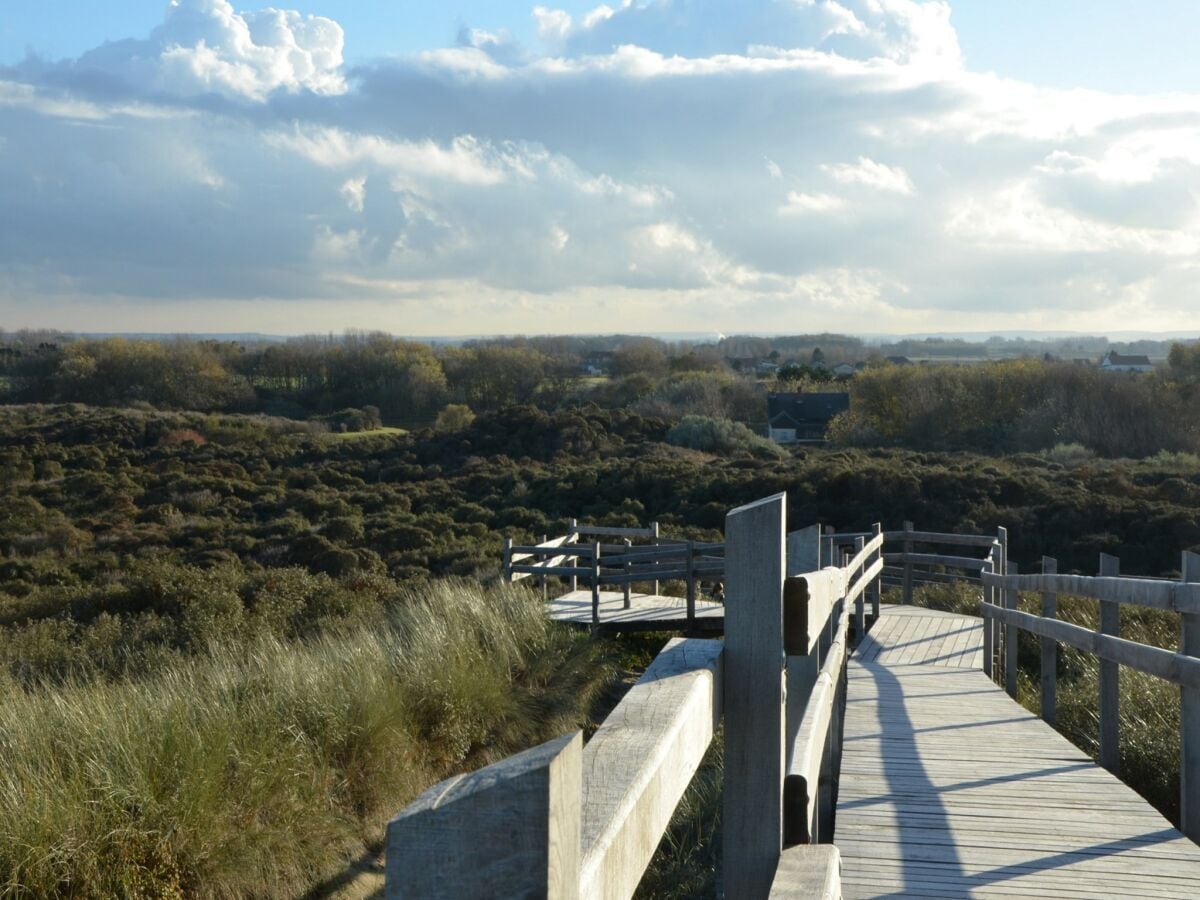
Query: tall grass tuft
260, 770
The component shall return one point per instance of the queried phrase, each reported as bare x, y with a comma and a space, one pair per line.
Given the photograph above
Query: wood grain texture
641, 760
808, 873
951, 789
509, 830
754, 754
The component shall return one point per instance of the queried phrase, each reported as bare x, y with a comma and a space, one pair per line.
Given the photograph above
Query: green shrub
721, 436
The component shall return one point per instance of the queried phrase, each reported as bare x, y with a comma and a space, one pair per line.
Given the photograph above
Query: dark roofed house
803, 417
1115, 362
899, 360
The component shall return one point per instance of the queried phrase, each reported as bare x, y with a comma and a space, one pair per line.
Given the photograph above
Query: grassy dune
260, 770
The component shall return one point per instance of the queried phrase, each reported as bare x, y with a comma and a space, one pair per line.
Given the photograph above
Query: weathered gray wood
573, 538
895, 576
754, 753
808, 873
809, 752
647, 612
1049, 673
1110, 676
950, 789
985, 598
907, 588
804, 550
934, 537
934, 559
628, 543
1173, 667
609, 531
510, 830
654, 536
1189, 719
572, 571
1172, 596
875, 591
808, 604
1011, 640
596, 584
1002, 563
860, 614
507, 566
640, 761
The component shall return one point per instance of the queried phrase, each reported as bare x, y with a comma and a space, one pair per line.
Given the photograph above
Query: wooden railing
906, 567
1181, 668
566, 820
624, 564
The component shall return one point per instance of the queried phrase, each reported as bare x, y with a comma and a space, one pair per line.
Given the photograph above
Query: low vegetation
257, 768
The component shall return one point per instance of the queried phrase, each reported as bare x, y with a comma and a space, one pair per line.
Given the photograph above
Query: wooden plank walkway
951, 789
647, 612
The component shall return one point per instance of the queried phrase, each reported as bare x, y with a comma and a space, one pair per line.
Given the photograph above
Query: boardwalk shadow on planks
951, 789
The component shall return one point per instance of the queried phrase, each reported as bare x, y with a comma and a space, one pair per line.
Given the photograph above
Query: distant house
1115, 362
899, 360
766, 367
792, 418
844, 370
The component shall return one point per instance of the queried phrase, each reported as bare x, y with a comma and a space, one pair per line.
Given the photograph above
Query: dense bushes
1022, 405
114, 539
721, 436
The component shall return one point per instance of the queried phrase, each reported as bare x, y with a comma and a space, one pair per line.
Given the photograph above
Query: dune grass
257, 771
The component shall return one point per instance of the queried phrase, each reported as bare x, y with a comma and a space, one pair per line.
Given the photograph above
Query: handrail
1172, 596
1180, 668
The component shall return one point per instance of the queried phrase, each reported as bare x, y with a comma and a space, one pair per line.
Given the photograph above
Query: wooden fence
1181, 668
566, 820
624, 564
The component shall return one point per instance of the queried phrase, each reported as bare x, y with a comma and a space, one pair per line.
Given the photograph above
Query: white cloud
748, 166
867, 172
205, 46
799, 203
552, 24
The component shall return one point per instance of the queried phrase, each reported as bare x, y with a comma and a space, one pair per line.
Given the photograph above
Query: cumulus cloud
769, 165
205, 46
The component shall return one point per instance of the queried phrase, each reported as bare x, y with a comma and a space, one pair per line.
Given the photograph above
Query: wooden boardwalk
647, 612
951, 789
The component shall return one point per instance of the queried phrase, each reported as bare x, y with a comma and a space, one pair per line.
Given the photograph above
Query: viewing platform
870, 750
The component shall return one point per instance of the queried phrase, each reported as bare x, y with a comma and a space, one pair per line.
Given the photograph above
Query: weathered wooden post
1012, 637
545, 594
573, 538
986, 596
998, 595
508, 560
860, 617
876, 591
654, 537
691, 585
754, 723
595, 583
1189, 720
628, 566
907, 595
510, 830
1049, 649
1110, 676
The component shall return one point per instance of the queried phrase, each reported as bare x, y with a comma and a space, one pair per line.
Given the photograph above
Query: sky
863, 166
